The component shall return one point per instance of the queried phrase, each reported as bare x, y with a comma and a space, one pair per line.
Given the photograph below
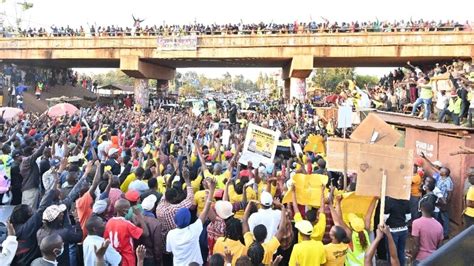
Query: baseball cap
54, 162
419, 162
16, 153
304, 227
438, 163
266, 199
356, 222
149, 202
53, 211
73, 159
227, 154
112, 151
99, 206
223, 209
132, 195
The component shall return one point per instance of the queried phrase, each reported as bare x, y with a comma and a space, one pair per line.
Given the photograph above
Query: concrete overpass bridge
151, 57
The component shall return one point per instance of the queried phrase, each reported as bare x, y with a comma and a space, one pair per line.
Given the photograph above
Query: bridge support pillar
295, 75
134, 67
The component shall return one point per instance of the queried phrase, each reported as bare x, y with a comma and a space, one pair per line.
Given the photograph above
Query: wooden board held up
373, 124
398, 164
335, 154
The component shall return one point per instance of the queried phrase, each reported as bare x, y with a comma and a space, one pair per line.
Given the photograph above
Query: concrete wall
362, 48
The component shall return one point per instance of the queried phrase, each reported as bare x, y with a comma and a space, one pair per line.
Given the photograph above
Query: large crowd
311, 27
113, 186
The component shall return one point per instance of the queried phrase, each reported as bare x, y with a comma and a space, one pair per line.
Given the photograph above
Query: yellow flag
308, 189
359, 205
315, 144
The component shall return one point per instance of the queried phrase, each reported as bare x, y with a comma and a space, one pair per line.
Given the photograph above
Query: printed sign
177, 43
260, 145
344, 117
212, 108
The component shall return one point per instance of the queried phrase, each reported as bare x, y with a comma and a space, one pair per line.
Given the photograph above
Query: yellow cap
356, 222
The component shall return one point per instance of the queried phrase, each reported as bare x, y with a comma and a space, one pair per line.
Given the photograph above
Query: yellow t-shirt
130, 178
234, 246
470, 196
415, 185
196, 183
335, 254
200, 198
308, 253
318, 229
161, 184
234, 197
220, 178
270, 247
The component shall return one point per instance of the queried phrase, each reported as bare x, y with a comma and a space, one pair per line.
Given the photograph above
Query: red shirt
121, 233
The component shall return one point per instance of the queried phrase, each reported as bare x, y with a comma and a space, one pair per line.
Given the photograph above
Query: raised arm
282, 227
370, 253
245, 219
212, 186
95, 181
368, 215
391, 246
294, 204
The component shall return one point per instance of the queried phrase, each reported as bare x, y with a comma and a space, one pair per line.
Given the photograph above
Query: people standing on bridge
426, 98
453, 110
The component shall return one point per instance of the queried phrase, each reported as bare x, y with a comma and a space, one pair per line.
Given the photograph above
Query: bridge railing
181, 32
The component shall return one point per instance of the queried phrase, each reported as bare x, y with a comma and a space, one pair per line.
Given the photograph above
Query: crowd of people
112, 186
323, 26
435, 93
17, 80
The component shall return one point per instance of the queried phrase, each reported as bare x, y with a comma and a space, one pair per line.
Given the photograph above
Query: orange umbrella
62, 109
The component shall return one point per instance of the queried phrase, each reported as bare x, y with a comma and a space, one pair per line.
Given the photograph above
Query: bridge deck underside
236, 62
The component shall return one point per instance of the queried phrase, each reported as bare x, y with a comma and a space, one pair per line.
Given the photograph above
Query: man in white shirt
96, 226
183, 241
267, 216
103, 148
9, 246
442, 101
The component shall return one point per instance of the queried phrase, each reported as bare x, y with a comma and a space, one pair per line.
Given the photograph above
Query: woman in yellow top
231, 240
257, 250
336, 250
357, 229
469, 212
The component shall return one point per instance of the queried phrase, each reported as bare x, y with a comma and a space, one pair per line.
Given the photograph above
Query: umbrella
9, 112
62, 109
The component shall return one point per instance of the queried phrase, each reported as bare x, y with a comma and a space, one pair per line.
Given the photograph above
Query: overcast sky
119, 12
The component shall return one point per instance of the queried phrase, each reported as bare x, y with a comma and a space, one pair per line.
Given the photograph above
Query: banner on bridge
177, 43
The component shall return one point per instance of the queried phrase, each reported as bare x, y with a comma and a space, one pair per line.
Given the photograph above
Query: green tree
362, 80
329, 78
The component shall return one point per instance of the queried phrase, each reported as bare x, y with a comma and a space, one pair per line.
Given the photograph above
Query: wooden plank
398, 166
339, 160
374, 124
